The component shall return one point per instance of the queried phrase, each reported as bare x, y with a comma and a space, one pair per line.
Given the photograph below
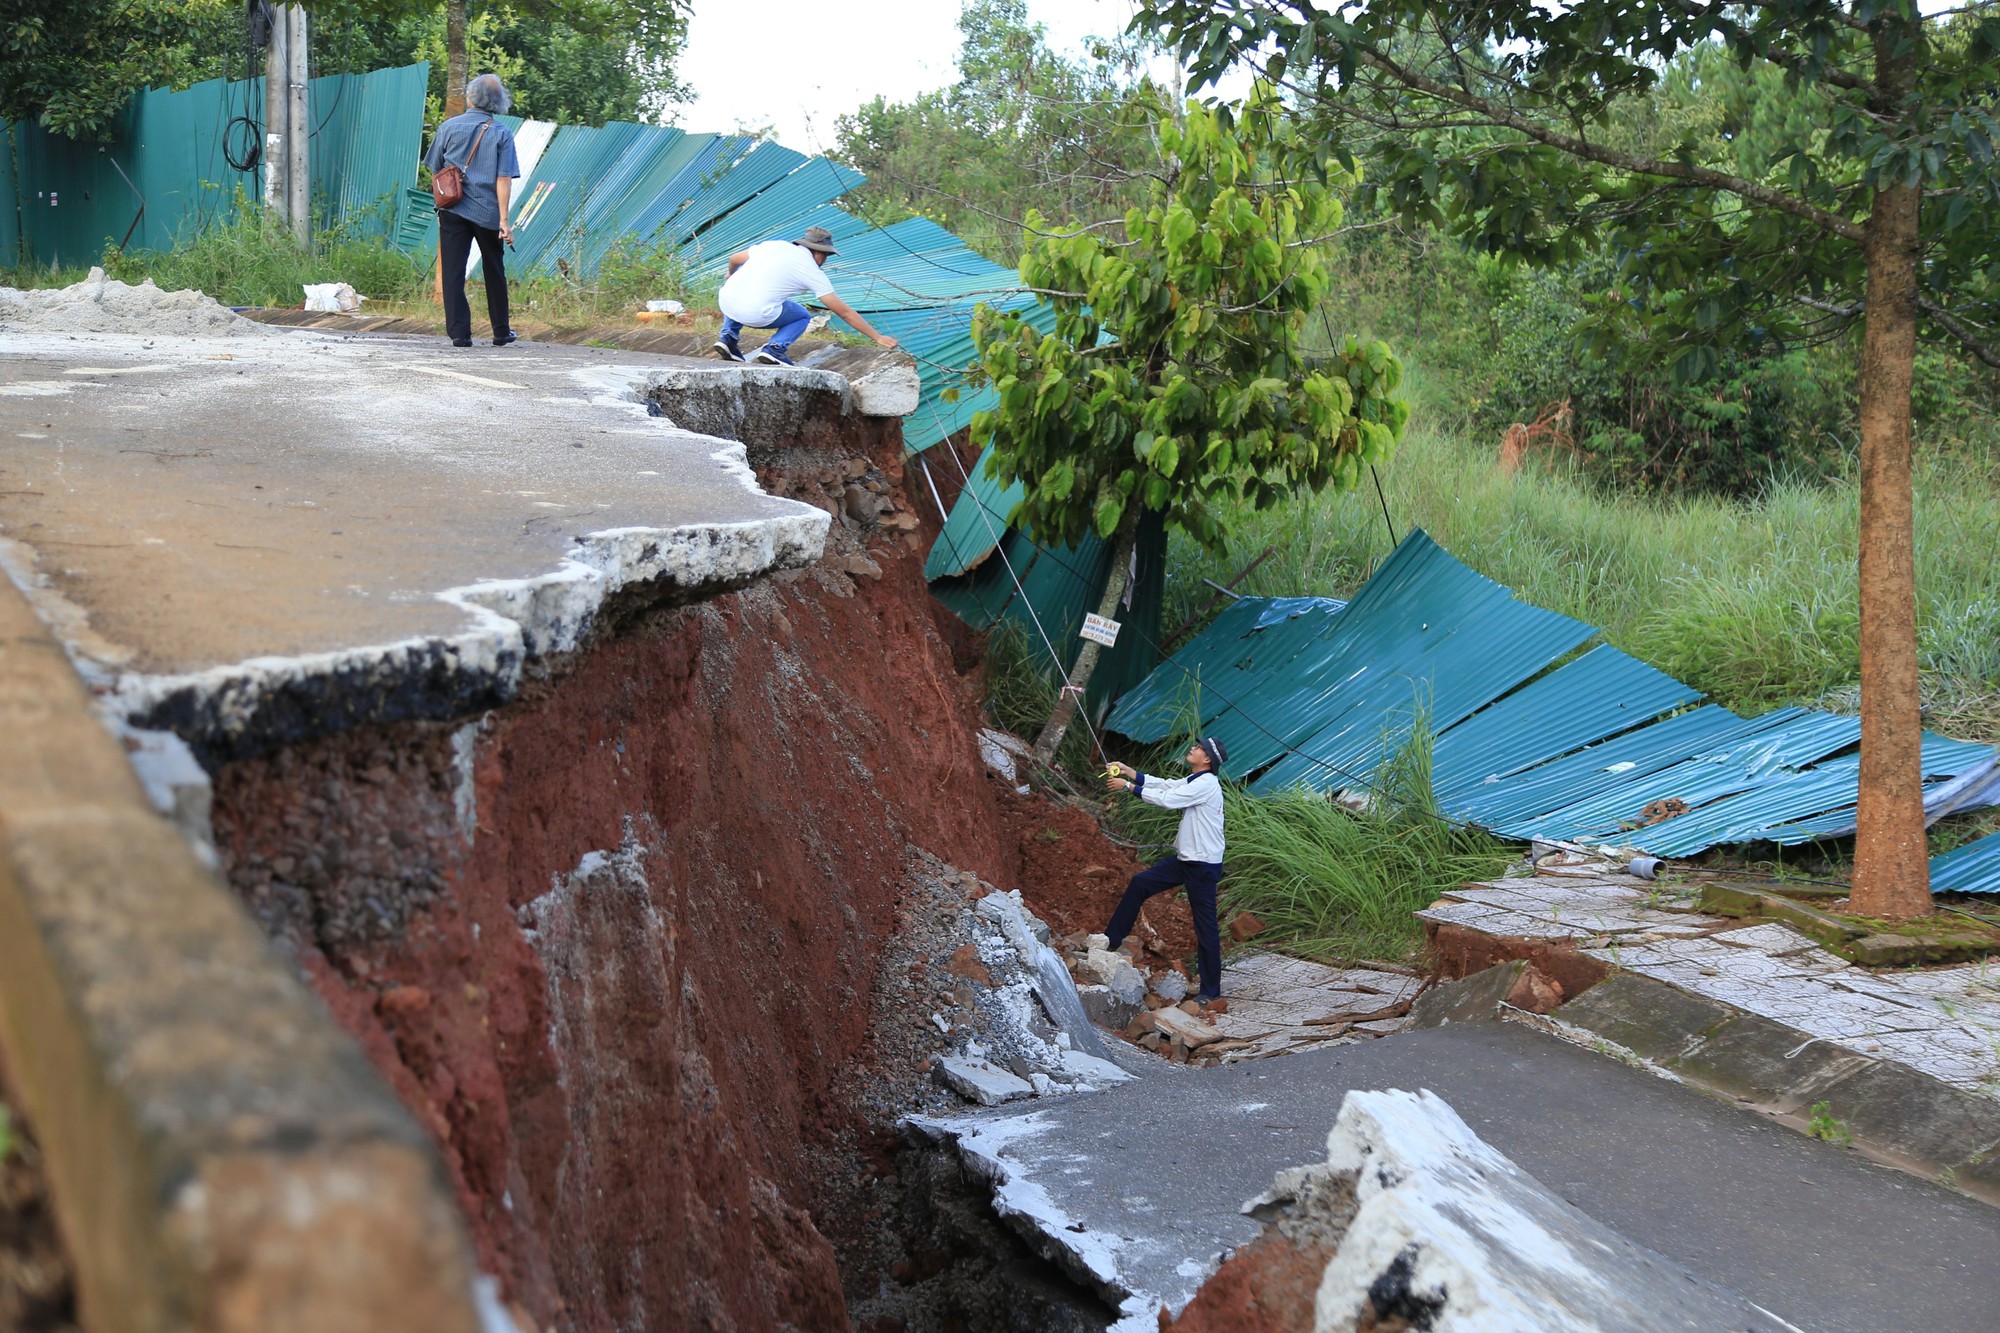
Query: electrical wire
252, 154
1082, 714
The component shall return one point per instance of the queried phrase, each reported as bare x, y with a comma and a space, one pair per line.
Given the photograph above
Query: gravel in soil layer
36, 1295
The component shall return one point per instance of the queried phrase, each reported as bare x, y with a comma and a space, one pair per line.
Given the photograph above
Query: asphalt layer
208, 500
1814, 1233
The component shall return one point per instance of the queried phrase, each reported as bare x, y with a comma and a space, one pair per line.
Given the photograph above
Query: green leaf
1109, 511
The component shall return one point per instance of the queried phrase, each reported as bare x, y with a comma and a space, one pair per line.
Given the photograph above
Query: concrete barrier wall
222, 1155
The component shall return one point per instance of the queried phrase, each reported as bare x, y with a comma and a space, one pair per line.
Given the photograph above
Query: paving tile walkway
1279, 1005
1943, 1022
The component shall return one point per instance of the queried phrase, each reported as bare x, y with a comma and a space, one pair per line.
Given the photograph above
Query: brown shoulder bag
448, 182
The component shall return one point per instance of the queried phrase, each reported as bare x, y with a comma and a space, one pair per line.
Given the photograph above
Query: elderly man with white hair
481, 147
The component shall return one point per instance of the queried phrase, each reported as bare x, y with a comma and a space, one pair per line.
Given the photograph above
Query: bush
1763, 415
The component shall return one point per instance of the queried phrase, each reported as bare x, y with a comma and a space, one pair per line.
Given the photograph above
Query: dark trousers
455, 238
1166, 874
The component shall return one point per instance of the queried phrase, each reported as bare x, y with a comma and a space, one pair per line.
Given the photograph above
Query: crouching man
1197, 859
759, 292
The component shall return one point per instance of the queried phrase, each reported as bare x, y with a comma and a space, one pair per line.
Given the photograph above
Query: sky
799, 65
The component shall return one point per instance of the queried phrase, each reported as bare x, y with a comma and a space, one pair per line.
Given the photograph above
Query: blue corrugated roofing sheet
367, 136
1973, 868
10, 202
977, 522
1599, 694
1576, 753
1056, 587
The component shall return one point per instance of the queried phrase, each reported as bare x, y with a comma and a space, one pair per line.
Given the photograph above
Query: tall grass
1336, 884
1752, 602
249, 259
246, 258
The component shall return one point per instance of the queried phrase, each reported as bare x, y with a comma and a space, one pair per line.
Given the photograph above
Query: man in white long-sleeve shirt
1197, 858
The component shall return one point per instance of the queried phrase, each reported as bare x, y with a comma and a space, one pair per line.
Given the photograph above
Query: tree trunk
1122, 544
1891, 868
455, 72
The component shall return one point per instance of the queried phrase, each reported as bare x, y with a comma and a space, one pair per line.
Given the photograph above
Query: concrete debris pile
101, 304
983, 1009
1038, 1041
1413, 1221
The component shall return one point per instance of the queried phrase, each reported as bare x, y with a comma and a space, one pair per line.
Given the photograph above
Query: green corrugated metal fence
10, 202
161, 175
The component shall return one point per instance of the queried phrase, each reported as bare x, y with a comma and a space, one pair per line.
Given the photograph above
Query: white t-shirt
1199, 799
775, 272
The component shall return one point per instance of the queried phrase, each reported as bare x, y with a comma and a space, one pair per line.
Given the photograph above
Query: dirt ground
1072, 876
36, 1295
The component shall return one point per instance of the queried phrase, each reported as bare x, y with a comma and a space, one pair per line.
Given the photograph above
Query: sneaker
511, 337
773, 355
461, 342
726, 348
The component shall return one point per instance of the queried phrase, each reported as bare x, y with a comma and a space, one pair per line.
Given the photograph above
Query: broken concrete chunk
1417, 1223
1100, 965
980, 1080
1473, 999
1187, 1027
1090, 1070
892, 391
1170, 986
1449, 1227
1128, 983
1051, 980
1001, 752
1104, 1008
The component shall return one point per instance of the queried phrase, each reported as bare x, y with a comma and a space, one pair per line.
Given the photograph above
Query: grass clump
1332, 883
248, 258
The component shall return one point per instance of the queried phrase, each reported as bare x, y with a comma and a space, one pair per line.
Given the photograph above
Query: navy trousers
1164, 875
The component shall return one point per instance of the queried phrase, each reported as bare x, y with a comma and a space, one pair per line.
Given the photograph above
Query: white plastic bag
332, 297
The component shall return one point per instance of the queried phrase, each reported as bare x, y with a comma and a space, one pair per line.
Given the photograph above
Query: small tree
1176, 375
1496, 119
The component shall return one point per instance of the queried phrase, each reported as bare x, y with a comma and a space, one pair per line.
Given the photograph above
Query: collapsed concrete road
259, 535
584, 811
1141, 1187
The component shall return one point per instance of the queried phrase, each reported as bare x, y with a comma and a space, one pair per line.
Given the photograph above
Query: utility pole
298, 170
288, 122
277, 114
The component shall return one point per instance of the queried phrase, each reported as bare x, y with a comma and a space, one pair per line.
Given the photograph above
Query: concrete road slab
193, 504
1152, 1174
213, 500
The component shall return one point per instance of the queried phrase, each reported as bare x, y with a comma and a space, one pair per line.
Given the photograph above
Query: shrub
249, 258
1764, 414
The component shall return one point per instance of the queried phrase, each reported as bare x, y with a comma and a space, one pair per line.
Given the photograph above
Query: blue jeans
792, 321
1166, 874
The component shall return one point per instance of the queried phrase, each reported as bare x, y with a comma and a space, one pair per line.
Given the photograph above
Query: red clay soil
1457, 952
1268, 1286
623, 1004
1072, 876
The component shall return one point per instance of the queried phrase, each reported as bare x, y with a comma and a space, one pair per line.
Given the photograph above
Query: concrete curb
1890, 1112
222, 1156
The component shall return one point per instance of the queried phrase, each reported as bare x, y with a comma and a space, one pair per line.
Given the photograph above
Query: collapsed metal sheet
1593, 750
